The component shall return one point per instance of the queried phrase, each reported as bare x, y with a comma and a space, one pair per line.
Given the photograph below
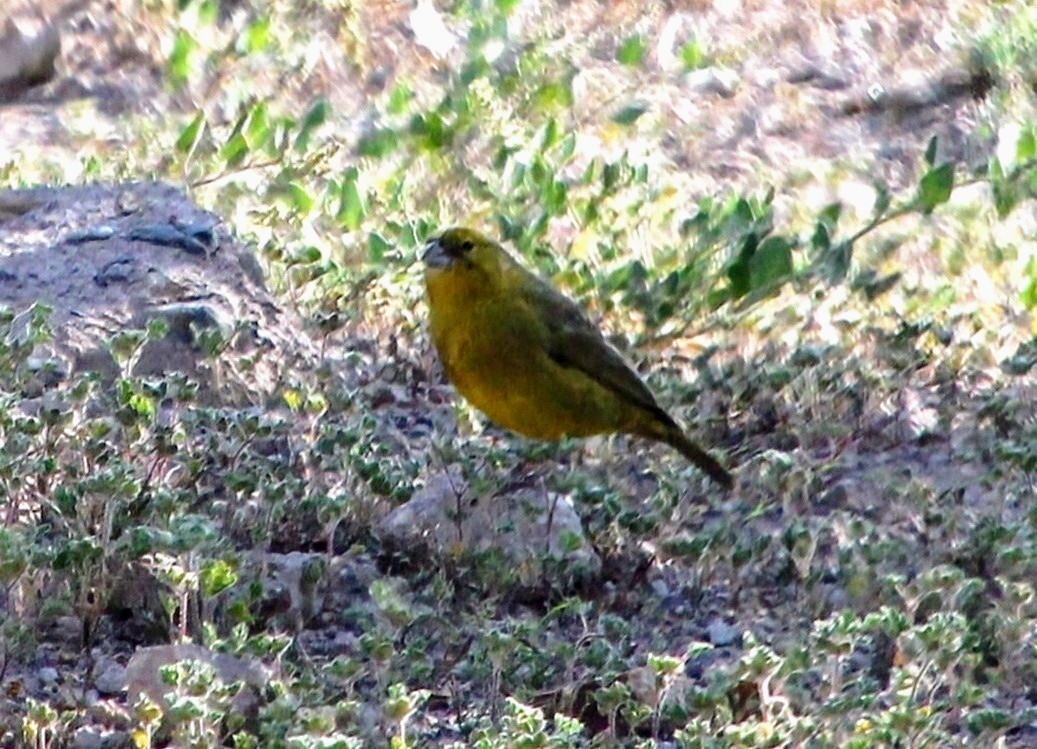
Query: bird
529, 358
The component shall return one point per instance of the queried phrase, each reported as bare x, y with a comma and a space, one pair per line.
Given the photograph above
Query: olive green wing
573, 341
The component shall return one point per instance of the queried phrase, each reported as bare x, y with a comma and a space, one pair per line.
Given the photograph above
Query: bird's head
465, 257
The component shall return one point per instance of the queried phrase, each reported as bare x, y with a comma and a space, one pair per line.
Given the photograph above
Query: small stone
660, 588
674, 604
122, 270
344, 640
529, 527
920, 417
111, 677
87, 738
837, 496
713, 80
300, 579
720, 633
48, 675
67, 629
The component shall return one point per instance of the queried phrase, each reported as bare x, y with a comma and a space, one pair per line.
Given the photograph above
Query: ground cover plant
811, 227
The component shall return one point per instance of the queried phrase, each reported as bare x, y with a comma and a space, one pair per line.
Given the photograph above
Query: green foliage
515, 104
888, 637
632, 51
693, 55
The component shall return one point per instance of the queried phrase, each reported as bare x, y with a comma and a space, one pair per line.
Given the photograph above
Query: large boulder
108, 259
29, 48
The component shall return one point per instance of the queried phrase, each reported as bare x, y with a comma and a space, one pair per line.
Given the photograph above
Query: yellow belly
499, 364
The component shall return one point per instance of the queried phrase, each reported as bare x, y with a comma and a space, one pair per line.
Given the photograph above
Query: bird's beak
434, 255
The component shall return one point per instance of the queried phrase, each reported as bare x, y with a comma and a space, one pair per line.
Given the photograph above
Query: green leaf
192, 531
1025, 147
431, 130
305, 256
568, 147
235, 150
610, 177
509, 230
351, 209
378, 143
824, 229
257, 130
553, 95
836, 262
554, 197
316, 116
180, 57
474, 70
630, 113
830, 214
1006, 197
771, 264
156, 329
300, 198
883, 199
591, 172
692, 55
547, 136
995, 170
1029, 292
77, 554
191, 134
217, 575
257, 35
935, 187
209, 12
738, 273
632, 51
821, 239
377, 247
539, 173
399, 98
142, 405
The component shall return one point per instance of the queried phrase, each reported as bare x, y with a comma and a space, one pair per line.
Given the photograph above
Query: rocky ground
880, 434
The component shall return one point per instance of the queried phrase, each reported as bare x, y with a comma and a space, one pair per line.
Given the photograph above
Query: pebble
111, 678
720, 633
48, 675
87, 738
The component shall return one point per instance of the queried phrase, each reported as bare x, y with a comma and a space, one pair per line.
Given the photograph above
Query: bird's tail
676, 439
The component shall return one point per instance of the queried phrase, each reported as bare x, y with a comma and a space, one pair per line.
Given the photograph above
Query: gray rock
712, 80
67, 629
122, 270
528, 527
720, 633
142, 673
919, 413
135, 260
48, 675
111, 677
29, 48
293, 585
88, 737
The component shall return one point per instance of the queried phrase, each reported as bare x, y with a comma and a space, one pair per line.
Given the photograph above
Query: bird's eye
467, 246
